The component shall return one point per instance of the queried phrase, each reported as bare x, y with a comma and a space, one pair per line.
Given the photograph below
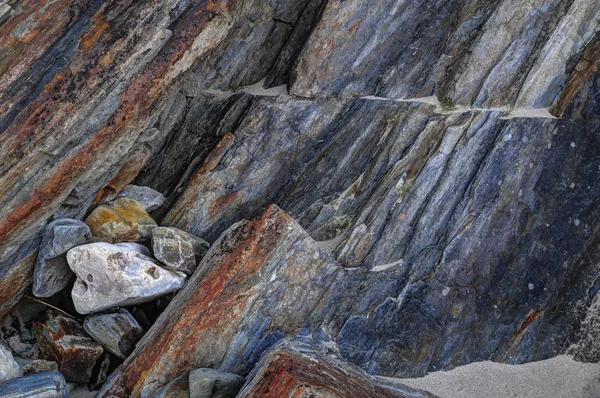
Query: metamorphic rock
388, 188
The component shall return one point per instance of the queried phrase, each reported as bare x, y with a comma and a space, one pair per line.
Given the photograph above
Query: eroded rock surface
110, 276
304, 367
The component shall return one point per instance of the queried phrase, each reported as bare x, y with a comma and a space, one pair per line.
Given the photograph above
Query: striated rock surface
304, 367
52, 273
40, 385
444, 234
177, 249
63, 340
109, 276
123, 220
117, 332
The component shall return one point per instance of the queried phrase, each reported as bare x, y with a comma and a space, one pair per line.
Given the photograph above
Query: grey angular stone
117, 332
109, 276
146, 196
51, 273
210, 383
40, 385
39, 366
178, 249
9, 368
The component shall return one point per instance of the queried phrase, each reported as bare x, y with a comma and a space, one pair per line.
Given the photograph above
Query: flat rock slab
117, 332
51, 273
9, 368
110, 276
178, 249
210, 383
307, 368
256, 275
147, 197
122, 220
40, 385
63, 340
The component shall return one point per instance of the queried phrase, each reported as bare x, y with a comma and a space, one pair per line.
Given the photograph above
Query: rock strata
63, 340
109, 276
177, 249
52, 273
123, 220
117, 332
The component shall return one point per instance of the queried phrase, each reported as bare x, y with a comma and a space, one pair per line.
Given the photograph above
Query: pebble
63, 340
177, 249
110, 276
210, 383
124, 220
39, 366
39, 385
51, 273
146, 196
117, 332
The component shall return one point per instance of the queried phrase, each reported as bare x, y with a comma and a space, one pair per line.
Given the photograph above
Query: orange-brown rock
63, 340
123, 220
306, 368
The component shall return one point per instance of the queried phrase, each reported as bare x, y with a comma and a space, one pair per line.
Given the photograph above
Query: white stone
9, 368
111, 276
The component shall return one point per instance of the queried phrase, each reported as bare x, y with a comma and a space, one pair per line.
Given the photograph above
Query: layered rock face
413, 237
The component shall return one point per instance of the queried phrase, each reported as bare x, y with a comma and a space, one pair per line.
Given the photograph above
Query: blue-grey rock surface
117, 332
411, 146
39, 385
52, 273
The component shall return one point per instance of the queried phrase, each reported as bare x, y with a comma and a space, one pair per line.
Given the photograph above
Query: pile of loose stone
121, 259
